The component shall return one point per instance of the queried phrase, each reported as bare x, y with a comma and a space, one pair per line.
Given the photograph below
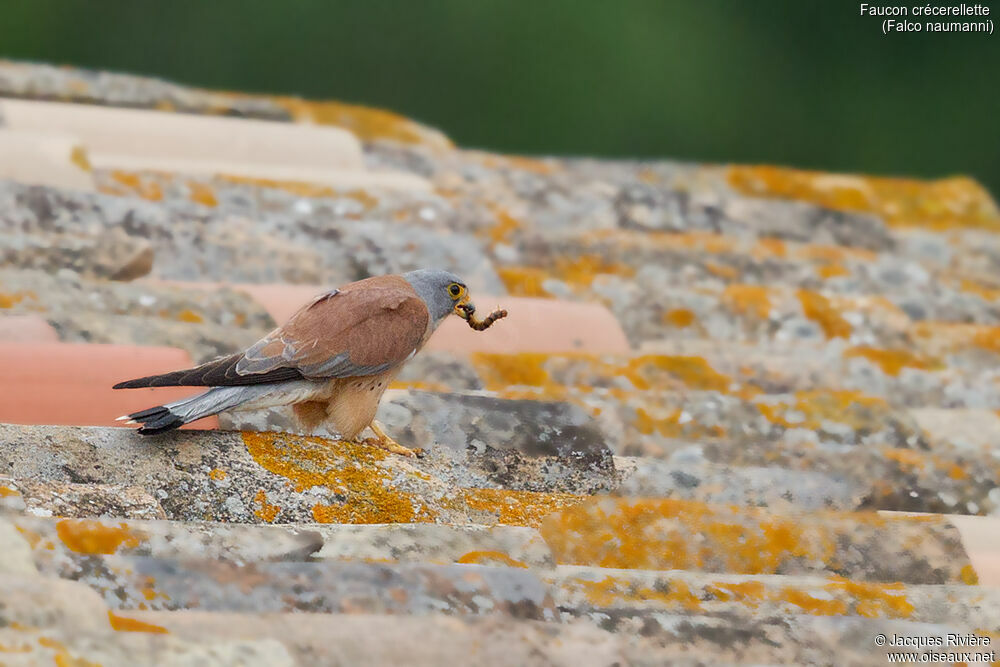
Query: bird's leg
383, 440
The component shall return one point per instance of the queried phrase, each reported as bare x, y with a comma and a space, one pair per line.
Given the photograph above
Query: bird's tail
174, 415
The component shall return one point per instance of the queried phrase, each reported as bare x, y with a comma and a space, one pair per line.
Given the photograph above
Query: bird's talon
383, 440
394, 447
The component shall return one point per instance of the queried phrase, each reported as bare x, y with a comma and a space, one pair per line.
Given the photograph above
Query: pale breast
354, 401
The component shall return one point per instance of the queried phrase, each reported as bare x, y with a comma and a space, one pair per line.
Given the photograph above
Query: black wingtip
140, 383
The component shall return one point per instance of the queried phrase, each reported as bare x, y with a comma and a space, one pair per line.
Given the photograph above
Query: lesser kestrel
331, 361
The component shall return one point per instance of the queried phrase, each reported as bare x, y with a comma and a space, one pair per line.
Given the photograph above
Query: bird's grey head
442, 291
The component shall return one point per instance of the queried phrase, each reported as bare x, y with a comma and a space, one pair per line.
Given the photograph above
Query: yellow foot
383, 440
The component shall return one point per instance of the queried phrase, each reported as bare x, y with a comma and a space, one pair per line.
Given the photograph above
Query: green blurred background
807, 83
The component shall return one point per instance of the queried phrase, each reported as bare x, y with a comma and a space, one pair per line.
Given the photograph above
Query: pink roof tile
535, 325
70, 383
26, 329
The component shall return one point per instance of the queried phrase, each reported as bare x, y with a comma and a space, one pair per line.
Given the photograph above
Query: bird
331, 361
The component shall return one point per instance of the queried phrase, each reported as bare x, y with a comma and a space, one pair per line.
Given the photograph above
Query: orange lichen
659, 535
366, 123
524, 281
906, 457
814, 407
746, 592
188, 315
753, 300
499, 371
753, 593
126, 624
875, 600
148, 590
669, 426
267, 511
200, 193
30, 536
582, 269
645, 372
939, 338
676, 593
669, 534
78, 156
818, 308
913, 460
518, 508
63, 658
308, 461
769, 247
679, 317
12, 299
615, 590
893, 361
302, 189
865, 599
365, 198
969, 576
7, 492
834, 254
507, 225
987, 338
956, 471
521, 162
382, 507
973, 287
489, 558
813, 605
940, 205
533, 165
218, 474
647, 175
144, 185
127, 178
722, 271
827, 271
297, 188
86, 536
942, 337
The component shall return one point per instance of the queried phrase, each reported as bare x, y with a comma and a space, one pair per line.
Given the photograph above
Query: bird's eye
455, 290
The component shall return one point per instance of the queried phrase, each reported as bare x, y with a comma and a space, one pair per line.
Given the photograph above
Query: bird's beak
464, 307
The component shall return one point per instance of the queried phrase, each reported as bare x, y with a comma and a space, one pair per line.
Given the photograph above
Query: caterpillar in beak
468, 313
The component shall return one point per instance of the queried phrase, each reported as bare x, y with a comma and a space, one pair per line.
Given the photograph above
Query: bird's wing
365, 328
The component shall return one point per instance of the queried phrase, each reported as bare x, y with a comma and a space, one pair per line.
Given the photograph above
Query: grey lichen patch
319, 587
515, 546
525, 445
68, 499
